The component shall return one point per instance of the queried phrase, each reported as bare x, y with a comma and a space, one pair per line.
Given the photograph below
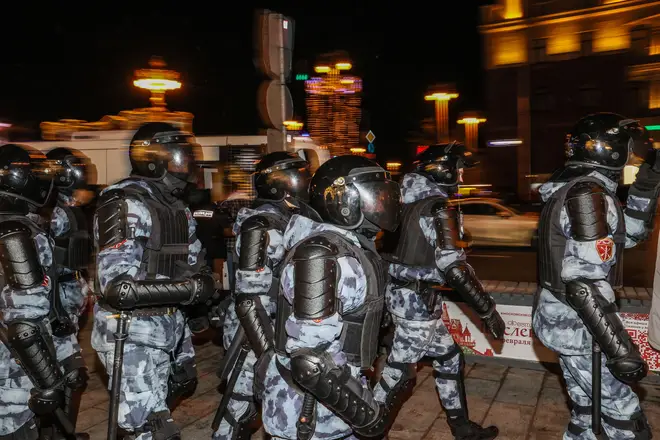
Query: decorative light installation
333, 105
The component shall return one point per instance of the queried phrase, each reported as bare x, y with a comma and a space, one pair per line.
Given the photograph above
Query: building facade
550, 62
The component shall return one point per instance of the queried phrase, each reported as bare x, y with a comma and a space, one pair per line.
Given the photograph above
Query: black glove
218, 312
44, 402
206, 288
495, 324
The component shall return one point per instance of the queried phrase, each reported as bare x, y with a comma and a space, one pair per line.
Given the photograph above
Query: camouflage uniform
73, 293
153, 340
30, 304
419, 331
560, 328
281, 402
259, 283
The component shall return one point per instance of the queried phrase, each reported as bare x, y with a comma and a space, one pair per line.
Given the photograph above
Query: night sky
78, 63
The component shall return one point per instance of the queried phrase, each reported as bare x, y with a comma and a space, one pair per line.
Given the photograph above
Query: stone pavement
525, 404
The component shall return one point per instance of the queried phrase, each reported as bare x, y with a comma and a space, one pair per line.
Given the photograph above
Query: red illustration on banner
605, 249
461, 334
641, 338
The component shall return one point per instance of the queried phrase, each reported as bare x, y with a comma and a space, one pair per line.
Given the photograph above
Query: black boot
464, 429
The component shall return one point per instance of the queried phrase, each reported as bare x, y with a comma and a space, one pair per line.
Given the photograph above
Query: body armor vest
552, 242
166, 251
360, 334
73, 249
412, 247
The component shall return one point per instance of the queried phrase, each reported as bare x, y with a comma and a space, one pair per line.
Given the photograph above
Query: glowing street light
358, 150
393, 166
158, 81
293, 125
471, 122
441, 99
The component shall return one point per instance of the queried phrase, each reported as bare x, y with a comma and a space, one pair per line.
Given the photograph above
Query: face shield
380, 198
184, 155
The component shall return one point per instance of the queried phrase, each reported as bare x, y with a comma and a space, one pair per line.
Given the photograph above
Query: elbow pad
587, 211
18, 256
315, 270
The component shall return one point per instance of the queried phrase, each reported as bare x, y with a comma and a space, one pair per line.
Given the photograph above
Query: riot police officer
34, 386
149, 265
281, 181
582, 234
71, 255
428, 253
332, 289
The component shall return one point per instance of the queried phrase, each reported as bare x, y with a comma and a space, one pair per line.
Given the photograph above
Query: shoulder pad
587, 211
584, 189
13, 226
255, 222
315, 247
111, 218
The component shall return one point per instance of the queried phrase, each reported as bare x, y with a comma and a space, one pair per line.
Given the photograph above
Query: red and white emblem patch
605, 249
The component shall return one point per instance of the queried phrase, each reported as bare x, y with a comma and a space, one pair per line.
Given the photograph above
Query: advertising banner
519, 340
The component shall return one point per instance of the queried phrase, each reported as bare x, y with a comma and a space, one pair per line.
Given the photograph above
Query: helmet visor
183, 159
380, 200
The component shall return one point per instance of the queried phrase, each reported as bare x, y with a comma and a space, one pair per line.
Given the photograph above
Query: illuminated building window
509, 49
654, 95
611, 35
512, 9
564, 39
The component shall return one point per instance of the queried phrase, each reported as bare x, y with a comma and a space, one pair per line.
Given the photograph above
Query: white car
490, 223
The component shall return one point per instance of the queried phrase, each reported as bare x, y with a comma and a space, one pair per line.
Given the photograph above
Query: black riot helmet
72, 169
606, 140
158, 148
25, 175
346, 190
281, 174
440, 163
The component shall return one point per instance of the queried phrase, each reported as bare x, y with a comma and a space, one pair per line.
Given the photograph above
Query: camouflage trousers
242, 393
153, 344
15, 389
618, 400
282, 403
414, 340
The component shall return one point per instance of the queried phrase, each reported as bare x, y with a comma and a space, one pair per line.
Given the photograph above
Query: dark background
77, 62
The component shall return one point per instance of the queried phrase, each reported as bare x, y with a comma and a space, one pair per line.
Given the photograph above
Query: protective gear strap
124, 293
19, 257
587, 211
254, 243
447, 225
599, 317
461, 277
316, 273
335, 387
637, 424
257, 324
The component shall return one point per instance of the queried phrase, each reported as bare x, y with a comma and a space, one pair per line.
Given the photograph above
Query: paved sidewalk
525, 404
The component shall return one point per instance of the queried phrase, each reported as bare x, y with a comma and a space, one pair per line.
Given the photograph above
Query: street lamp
293, 125
441, 99
471, 122
158, 81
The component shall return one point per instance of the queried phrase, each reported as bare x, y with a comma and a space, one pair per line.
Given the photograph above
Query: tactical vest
73, 249
360, 334
412, 247
166, 251
552, 242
